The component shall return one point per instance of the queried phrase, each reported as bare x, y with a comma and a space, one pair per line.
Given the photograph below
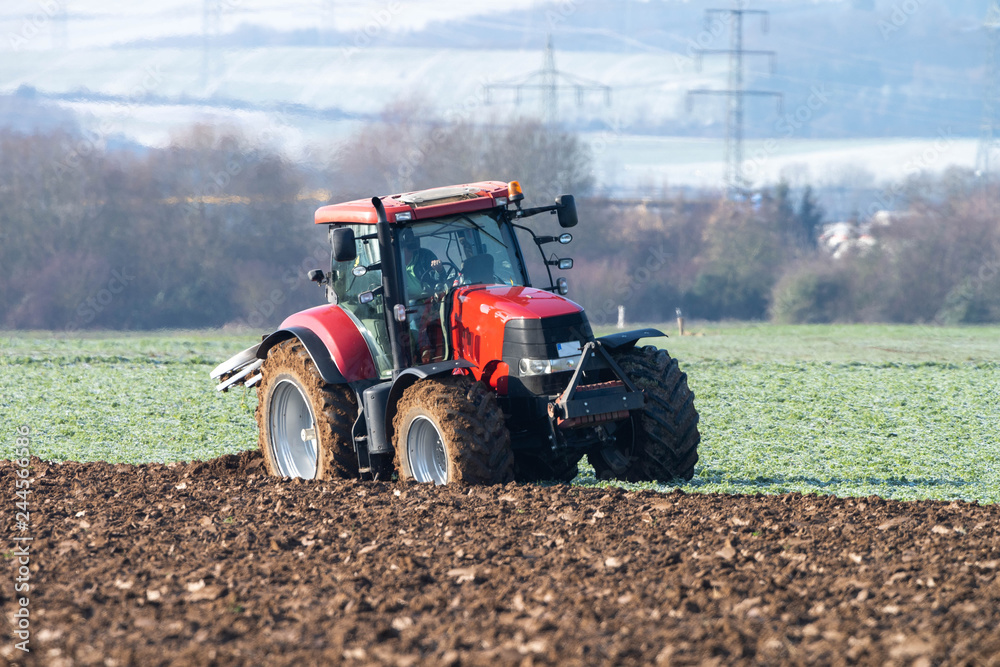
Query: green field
900, 411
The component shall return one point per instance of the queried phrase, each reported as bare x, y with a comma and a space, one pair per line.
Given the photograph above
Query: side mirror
344, 248
566, 211
316, 275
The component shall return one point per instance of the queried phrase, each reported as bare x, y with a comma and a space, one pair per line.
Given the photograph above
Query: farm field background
902, 412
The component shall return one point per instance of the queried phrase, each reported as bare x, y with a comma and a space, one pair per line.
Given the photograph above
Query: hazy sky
102, 22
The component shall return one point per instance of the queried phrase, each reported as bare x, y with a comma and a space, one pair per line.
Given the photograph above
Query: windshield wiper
480, 228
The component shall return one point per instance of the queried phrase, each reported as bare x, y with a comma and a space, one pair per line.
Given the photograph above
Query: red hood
509, 303
479, 319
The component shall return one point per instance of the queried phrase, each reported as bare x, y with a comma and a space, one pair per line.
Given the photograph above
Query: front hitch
585, 405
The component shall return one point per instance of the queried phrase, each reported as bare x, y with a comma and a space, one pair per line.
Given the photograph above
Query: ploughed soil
215, 563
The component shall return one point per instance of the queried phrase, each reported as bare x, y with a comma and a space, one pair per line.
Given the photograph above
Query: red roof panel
361, 211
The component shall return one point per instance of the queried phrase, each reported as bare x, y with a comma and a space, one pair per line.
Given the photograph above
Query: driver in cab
422, 270
422, 267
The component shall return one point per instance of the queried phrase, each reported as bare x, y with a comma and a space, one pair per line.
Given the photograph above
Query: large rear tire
305, 424
449, 430
665, 446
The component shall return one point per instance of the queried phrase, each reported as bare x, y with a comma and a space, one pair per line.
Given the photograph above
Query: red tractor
437, 360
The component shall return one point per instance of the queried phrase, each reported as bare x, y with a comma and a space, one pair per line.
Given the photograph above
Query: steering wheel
451, 272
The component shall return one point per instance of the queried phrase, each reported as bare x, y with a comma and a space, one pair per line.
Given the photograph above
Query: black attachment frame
602, 401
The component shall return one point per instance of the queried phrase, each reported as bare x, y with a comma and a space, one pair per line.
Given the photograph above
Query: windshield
465, 249
441, 255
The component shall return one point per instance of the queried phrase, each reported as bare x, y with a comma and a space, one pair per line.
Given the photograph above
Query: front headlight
529, 367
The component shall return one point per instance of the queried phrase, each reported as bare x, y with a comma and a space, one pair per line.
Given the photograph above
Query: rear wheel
305, 424
449, 430
666, 440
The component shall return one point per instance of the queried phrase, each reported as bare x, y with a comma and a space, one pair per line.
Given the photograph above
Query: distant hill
868, 85
888, 68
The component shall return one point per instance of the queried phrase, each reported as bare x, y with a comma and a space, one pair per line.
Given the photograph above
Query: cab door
346, 286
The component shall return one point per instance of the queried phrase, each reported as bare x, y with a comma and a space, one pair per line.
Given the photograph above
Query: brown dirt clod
219, 563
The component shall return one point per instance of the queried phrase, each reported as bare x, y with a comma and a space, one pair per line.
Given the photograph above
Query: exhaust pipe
392, 291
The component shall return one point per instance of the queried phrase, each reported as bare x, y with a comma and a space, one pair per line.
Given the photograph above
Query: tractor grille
537, 339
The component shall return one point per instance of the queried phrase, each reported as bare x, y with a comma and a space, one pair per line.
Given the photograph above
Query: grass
901, 412
133, 399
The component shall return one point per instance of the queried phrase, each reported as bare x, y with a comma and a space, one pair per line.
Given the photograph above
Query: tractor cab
434, 245
436, 257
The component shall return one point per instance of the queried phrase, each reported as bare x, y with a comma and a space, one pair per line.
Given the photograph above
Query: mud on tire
449, 430
666, 432
291, 394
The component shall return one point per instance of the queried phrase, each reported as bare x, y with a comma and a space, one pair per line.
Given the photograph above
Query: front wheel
666, 440
305, 424
449, 430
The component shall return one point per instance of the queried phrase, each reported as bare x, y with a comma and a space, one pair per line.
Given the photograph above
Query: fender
332, 340
314, 346
407, 378
627, 339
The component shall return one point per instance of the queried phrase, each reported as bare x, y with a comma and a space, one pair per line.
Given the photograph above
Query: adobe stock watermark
560, 13
454, 115
35, 23
787, 126
964, 293
378, 22
21, 556
95, 304
462, 111
292, 279
716, 25
922, 161
627, 286
92, 140
219, 181
901, 14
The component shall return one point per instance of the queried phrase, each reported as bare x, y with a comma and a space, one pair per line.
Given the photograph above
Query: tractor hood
499, 303
500, 325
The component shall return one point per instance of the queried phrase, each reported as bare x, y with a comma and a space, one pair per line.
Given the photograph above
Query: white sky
104, 22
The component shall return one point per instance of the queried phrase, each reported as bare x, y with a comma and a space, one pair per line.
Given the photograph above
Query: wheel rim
291, 424
426, 453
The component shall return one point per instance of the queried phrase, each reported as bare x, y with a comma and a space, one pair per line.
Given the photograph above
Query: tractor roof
421, 205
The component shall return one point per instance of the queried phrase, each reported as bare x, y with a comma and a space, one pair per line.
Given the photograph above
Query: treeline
216, 230
713, 259
935, 261
198, 234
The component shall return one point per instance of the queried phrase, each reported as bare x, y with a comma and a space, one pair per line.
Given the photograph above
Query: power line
736, 93
550, 82
988, 140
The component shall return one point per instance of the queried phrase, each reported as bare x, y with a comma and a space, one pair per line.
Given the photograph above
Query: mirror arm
538, 244
528, 212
